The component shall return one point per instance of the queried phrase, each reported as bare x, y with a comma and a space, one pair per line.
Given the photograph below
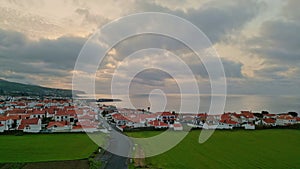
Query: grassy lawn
231, 149
45, 147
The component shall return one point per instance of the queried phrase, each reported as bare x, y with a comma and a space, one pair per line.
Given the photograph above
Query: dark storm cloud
44, 57
291, 10
152, 77
216, 19
278, 42
231, 69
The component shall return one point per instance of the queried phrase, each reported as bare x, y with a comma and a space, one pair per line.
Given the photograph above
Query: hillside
19, 89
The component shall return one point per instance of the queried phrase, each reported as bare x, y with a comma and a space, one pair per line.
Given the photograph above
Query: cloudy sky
257, 40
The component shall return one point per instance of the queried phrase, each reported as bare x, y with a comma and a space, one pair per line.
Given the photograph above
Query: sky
257, 40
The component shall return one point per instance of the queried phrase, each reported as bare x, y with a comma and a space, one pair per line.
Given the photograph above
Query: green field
278, 148
45, 147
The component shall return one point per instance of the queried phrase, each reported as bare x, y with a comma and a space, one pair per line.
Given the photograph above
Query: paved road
120, 145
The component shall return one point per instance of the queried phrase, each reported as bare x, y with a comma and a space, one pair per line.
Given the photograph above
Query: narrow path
116, 156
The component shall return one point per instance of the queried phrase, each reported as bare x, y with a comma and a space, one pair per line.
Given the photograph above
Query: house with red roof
51, 111
177, 127
158, 124
3, 123
120, 119
213, 119
59, 126
20, 105
269, 122
66, 115
166, 117
298, 120
31, 125
14, 120
38, 113
2, 128
249, 126
273, 116
247, 116
227, 124
285, 120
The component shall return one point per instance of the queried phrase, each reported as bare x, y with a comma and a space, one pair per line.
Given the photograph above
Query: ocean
234, 103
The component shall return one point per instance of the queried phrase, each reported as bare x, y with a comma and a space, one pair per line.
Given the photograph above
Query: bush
94, 164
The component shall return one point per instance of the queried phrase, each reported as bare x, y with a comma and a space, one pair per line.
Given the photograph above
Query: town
58, 114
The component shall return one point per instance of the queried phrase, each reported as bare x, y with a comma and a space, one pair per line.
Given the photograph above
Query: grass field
45, 147
231, 149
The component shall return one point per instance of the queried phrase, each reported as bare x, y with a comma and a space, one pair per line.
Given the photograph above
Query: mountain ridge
21, 89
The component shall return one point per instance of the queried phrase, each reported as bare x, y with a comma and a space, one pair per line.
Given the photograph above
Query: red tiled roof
228, 121
83, 127
177, 125
123, 127
26, 122
14, 117
57, 123
285, 117
21, 104
65, 113
226, 116
15, 111
247, 114
69, 107
3, 118
71, 112
18, 116
157, 123
202, 115
269, 120
165, 114
35, 111
39, 105
118, 116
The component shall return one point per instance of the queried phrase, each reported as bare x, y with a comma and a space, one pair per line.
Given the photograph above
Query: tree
294, 114
259, 115
264, 112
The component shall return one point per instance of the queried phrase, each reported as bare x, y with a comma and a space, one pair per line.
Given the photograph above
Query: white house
166, 117
3, 120
269, 122
227, 124
119, 119
158, 124
177, 127
249, 126
2, 128
69, 116
59, 126
285, 120
247, 116
41, 113
31, 125
266, 116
